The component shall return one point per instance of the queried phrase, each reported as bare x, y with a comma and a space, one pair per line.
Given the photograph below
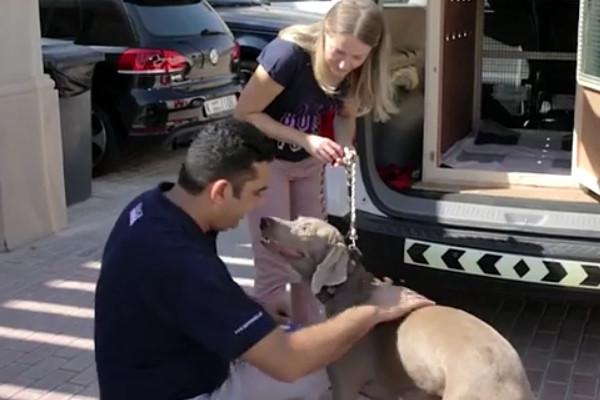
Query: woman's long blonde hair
370, 84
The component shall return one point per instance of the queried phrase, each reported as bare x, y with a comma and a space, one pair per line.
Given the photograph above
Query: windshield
179, 20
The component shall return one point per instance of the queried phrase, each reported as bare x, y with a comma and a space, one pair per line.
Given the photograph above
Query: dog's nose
264, 222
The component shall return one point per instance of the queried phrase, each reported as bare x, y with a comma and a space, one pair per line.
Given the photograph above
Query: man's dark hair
226, 149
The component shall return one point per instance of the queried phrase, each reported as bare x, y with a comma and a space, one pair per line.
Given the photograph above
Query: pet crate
500, 90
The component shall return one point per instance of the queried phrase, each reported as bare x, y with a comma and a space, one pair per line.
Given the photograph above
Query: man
170, 321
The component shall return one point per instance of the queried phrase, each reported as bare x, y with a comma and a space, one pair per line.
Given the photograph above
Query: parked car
169, 63
255, 23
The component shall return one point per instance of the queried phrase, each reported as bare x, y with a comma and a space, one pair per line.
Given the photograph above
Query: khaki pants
248, 383
295, 189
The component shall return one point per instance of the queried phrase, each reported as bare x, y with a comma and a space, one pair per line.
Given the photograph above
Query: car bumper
163, 112
405, 250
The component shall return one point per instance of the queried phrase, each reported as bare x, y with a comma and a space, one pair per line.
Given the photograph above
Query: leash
349, 162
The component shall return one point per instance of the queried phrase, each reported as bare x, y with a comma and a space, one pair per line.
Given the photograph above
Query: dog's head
314, 248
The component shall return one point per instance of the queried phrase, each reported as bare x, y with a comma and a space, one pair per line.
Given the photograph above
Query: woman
305, 77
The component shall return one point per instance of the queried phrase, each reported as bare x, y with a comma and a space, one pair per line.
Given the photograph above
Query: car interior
487, 138
508, 88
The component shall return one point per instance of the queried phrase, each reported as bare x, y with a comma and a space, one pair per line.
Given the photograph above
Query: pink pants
295, 189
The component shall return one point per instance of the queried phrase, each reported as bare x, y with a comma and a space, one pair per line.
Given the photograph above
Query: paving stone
584, 385
63, 392
8, 356
55, 379
44, 368
559, 372
29, 394
38, 355
86, 377
12, 372
80, 362
10, 390
90, 391
554, 391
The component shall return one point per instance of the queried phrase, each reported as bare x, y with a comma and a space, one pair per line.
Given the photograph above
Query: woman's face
344, 53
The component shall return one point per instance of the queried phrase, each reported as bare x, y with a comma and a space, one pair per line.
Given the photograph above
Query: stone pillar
32, 196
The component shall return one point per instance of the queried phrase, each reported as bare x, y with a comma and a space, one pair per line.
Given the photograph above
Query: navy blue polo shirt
169, 319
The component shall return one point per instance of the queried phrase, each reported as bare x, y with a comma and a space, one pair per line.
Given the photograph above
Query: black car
168, 63
255, 23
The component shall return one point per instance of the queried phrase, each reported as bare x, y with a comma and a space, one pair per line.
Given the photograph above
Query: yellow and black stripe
524, 268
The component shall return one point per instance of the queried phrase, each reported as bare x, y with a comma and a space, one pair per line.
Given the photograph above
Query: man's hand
393, 302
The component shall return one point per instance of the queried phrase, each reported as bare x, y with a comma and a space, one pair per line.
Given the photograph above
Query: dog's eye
305, 229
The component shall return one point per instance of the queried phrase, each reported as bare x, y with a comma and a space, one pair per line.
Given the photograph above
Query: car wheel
247, 68
105, 153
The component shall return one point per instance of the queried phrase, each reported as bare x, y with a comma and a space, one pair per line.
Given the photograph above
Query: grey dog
435, 352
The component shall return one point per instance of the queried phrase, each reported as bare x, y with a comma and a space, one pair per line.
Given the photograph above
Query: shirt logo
306, 118
246, 324
135, 214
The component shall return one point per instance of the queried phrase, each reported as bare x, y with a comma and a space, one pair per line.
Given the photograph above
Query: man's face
233, 209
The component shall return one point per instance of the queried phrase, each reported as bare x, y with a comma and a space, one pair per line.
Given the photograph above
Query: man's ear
333, 270
220, 191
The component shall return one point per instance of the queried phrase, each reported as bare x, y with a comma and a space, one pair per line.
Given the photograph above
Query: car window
187, 19
60, 19
105, 23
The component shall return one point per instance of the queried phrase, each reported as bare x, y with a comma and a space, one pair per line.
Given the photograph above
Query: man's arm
289, 356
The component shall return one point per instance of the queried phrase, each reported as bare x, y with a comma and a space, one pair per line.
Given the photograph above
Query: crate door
458, 69
587, 128
586, 166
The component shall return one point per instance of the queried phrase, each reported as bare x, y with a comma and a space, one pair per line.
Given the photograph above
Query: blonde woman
307, 75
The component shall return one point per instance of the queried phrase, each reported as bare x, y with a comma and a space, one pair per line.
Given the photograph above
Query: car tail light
235, 52
151, 61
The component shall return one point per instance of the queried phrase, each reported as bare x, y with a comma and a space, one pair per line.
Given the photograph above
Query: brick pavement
46, 292
559, 341
46, 301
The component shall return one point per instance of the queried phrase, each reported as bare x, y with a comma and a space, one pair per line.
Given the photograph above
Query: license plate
220, 105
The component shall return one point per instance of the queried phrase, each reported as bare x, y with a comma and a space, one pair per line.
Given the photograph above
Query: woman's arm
258, 93
346, 125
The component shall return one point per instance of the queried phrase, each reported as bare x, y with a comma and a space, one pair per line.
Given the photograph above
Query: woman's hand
279, 310
394, 302
324, 149
347, 152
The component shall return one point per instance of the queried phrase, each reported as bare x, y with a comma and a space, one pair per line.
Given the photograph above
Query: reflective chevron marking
502, 265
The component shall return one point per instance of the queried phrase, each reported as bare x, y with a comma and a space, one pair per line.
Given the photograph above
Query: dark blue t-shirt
169, 317
302, 104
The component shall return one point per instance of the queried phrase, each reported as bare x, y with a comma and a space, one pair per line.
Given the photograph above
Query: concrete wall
32, 200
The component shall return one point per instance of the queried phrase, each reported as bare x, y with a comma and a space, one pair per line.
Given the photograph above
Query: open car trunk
499, 135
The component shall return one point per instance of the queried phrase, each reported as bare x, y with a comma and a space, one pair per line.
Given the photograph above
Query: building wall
32, 200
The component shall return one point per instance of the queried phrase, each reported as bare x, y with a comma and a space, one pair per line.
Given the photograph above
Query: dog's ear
333, 270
